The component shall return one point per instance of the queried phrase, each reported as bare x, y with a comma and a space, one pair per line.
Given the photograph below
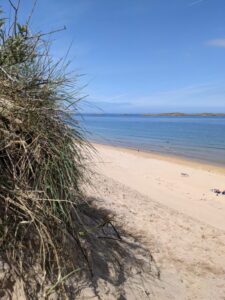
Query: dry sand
167, 203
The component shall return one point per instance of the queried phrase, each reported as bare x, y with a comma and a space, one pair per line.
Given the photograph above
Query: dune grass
42, 152
53, 240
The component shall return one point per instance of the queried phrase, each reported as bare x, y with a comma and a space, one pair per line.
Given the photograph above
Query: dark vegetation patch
52, 241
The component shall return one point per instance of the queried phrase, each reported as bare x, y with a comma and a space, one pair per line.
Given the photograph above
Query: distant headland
170, 114
179, 114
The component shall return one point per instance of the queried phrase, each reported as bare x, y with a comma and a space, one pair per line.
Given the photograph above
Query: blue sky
141, 55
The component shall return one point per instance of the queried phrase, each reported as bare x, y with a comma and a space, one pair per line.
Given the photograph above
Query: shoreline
181, 160
182, 185
168, 204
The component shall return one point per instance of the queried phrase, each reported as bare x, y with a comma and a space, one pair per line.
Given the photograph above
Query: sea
192, 137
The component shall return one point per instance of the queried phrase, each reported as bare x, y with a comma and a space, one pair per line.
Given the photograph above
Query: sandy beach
169, 205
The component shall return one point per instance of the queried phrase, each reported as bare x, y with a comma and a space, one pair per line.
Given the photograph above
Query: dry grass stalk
41, 163
48, 233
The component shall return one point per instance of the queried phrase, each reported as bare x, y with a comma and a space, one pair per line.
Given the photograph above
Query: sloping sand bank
168, 204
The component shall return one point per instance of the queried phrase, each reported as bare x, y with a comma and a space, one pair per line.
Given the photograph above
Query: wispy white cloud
196, 2
209, 96
216, 43
203, 95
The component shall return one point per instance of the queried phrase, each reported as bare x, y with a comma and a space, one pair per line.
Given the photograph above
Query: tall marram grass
42, 151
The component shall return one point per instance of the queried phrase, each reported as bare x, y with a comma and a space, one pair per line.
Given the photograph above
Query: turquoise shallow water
199, 138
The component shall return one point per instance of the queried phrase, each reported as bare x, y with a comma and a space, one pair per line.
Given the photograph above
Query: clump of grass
53, 242
42, 152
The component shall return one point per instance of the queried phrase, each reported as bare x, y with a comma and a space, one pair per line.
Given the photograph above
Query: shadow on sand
113, 264
119, 264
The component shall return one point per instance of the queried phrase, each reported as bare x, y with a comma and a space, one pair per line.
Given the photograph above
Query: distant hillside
178, 114
172, 114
